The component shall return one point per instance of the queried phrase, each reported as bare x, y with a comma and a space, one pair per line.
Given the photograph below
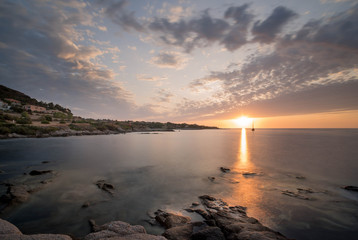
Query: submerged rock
224, 170
38, 172
351, 188
249, 174
105, 186
296, 195
212, 179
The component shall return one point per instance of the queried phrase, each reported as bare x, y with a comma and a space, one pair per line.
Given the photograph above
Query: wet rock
105, 186
300, 177
234, 222
169, 220
44, 162
119, 230
295, 195
224, 170
189, 209
351, 188
202, 213
37, 172
194, 204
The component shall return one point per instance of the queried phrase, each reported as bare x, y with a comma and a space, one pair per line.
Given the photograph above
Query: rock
249, 174
194, 204
295, 195
105, 186
44, 162
37, 172
18, 193
120, 231
351, 188
36, 237
9, 231
224, 170
169, 220
234, 222
305, 190
202, 213
189, 209
179, 233
300, 177
211, 178
85, 205
208, 233
8, 228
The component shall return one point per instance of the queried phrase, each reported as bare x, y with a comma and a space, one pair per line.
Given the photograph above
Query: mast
253, 127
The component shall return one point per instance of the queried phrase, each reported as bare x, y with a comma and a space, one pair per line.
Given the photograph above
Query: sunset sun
243, 121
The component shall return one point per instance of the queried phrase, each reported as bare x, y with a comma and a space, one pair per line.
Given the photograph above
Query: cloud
163, 96
265, 31
145, 77
117, 13
304, 69
169, 60
205, 30
44, 57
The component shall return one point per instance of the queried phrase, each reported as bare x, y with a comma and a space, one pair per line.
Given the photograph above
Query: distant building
4, 105
34, 108
13, 101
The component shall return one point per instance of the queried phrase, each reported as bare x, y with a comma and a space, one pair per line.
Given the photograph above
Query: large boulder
169, 220
119, 230
9, 231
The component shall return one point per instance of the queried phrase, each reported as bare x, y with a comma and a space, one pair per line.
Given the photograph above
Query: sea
289, 179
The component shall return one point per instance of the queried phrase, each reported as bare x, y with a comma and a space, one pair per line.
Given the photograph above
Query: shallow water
169, 170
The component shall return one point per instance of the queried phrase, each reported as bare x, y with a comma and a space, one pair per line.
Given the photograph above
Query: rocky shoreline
69, 132
220, 222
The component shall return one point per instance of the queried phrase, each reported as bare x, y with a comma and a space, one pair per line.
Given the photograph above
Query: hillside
23, 116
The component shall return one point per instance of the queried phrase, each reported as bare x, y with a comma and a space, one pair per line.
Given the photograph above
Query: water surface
169, 170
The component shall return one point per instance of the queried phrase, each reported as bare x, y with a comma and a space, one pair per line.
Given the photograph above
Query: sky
288, 63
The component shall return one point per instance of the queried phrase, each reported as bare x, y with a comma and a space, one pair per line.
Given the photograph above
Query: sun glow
243, 121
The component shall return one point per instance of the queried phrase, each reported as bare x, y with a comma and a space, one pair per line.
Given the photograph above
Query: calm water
169, 170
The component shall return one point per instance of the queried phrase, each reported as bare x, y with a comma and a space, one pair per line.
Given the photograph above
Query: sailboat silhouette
253, 127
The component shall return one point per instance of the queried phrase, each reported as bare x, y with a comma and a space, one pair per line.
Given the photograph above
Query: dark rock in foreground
351, 188
169, 220
9, 231
118, 230
234, 222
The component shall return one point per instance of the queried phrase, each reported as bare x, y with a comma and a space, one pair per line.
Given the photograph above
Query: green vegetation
24, 119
